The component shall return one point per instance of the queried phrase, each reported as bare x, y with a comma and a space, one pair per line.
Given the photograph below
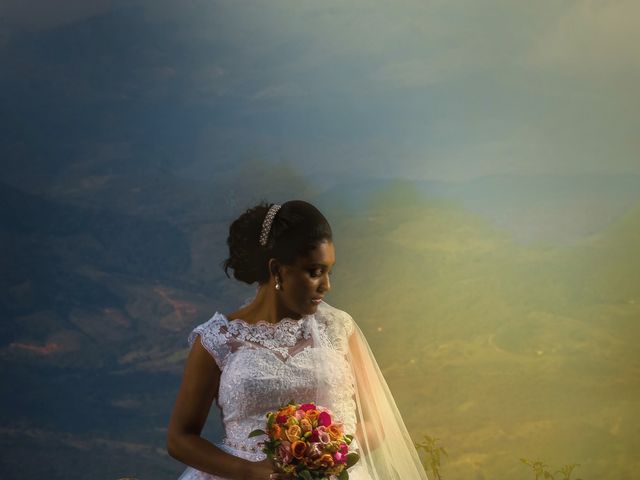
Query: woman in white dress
284, 343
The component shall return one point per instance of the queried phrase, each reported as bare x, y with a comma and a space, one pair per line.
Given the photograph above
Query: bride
284, 343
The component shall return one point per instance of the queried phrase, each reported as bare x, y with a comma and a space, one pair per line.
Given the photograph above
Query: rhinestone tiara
266, 223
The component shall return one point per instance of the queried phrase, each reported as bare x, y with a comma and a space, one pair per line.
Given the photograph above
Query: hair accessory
266, 223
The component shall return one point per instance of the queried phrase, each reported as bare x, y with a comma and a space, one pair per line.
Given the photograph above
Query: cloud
591, 41
417, 72
445, 89
283, 90
45, 14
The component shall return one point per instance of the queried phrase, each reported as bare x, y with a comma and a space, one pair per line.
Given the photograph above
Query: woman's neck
264, 307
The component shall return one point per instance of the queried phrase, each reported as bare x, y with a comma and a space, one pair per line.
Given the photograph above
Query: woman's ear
274, 268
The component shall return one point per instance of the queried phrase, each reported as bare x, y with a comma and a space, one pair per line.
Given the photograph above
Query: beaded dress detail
265, 365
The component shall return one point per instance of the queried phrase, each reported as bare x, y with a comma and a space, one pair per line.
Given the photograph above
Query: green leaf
352, 458
257, 432
305, 474
344, 475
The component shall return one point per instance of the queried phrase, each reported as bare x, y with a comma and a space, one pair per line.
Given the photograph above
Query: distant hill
486, 340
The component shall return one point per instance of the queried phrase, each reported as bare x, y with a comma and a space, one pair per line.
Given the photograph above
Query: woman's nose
326, 283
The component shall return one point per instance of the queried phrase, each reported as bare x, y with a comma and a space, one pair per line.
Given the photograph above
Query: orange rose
291, 421
334, 431
312, 415
305, 424
288, 410
276, 431
326, 460
293, 433
298, 448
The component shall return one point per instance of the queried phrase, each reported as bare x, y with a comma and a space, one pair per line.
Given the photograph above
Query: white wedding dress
265, 365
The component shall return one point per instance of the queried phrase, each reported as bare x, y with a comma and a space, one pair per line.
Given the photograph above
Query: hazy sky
446, 90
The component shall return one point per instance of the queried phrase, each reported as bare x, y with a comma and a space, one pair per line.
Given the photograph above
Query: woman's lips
316, 300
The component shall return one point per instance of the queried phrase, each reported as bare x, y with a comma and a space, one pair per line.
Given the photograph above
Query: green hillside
501, 351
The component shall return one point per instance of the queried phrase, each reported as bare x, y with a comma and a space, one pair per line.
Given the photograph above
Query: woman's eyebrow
321, 264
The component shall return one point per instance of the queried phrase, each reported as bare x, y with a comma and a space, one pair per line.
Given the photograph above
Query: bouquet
306, 442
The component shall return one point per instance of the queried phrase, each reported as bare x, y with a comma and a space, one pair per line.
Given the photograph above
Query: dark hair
297, 228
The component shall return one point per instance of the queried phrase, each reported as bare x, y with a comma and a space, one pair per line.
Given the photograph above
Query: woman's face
307, 279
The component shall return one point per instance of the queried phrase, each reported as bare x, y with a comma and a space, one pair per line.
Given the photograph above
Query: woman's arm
199, 387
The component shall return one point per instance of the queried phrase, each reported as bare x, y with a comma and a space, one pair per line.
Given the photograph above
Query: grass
433, 452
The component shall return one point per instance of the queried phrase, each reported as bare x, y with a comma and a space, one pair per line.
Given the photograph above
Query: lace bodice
265, 365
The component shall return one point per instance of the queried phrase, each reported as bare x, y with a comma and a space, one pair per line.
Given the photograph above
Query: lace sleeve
348, 323
213, 337
339, 327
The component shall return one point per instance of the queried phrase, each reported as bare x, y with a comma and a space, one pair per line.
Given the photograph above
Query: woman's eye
318, 273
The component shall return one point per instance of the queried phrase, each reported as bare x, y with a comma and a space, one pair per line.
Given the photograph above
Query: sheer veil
386, 449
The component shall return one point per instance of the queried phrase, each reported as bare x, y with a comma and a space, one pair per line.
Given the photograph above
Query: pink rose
284, 452
314, 451
323, 435
324, 419
307, 406
320, 434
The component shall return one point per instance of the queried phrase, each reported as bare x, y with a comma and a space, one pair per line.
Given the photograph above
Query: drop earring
278, 287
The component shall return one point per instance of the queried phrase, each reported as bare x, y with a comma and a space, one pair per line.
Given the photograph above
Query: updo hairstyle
297, 228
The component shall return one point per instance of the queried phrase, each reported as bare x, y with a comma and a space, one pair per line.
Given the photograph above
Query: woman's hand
261, 470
